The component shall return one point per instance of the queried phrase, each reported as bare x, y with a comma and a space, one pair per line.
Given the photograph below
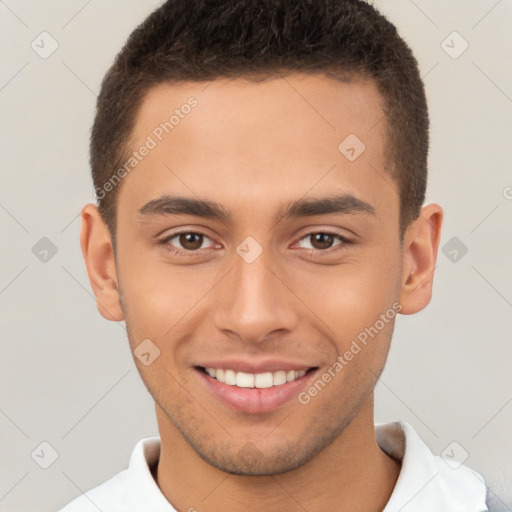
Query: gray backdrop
67, 376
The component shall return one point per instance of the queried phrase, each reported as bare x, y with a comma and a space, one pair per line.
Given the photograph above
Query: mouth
254, 380
254, 393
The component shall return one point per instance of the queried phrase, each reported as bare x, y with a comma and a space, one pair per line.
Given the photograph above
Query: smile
254, 387
254, 380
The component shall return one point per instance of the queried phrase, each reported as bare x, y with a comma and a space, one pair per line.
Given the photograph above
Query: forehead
309, 106
250, 141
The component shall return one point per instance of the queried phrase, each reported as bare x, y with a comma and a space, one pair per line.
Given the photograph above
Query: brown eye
322, 241
188, 241
191, 241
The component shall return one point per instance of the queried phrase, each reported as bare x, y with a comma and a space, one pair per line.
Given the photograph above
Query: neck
352, 473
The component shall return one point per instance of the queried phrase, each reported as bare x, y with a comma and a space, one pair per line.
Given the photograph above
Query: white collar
426, 482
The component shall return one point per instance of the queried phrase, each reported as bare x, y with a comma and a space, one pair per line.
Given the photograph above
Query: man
260, 168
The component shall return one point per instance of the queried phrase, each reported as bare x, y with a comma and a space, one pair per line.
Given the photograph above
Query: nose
255, 302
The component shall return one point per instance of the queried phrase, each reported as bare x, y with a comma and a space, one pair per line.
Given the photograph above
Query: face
252, 250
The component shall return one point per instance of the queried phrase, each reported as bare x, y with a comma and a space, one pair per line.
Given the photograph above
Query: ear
421, 242
98, 253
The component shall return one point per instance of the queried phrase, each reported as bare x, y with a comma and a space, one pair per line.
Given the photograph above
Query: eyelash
165, 242
173, 250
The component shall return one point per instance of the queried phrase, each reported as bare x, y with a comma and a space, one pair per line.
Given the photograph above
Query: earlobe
98, 253
421, 243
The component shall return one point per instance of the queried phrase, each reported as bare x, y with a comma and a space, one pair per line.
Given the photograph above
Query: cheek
350, 297
158, 296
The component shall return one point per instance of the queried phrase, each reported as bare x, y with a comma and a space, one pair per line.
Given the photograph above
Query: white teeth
279, 378
244, 380
230, 377
251, 380
263, 380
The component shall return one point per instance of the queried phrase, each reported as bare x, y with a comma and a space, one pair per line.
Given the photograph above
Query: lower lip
255, 400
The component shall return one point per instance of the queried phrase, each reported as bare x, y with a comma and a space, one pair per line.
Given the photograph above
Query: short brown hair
196, 40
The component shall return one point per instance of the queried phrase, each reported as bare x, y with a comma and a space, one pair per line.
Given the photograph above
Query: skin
254, 147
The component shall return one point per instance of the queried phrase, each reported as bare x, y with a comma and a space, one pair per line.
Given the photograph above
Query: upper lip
255, 366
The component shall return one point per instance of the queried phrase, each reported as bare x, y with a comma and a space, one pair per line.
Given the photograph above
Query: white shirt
426, 483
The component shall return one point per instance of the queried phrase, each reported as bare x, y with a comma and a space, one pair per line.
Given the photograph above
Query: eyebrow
341, 204
344, 204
